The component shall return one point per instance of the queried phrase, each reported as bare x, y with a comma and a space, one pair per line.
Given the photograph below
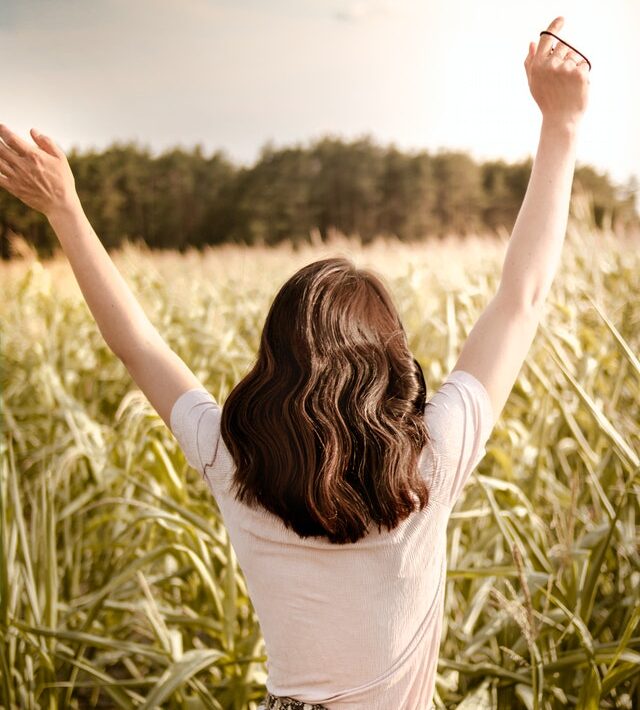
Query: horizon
306, 144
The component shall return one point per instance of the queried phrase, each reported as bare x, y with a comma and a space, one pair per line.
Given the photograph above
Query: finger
47, 144
573, 57
546, 41
6, 168
17, 144
583, 67
531, 54
9, 155
5, 183
560, 50
579, 58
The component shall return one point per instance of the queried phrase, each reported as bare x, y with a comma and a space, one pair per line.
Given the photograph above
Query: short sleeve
459, 418
195, 422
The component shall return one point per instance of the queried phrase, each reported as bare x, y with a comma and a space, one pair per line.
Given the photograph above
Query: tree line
183, 198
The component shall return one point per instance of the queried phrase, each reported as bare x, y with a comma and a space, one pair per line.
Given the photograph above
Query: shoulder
460, 400
195, 422
459, 420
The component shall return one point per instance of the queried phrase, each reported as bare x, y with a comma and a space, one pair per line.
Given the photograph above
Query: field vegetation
119, 586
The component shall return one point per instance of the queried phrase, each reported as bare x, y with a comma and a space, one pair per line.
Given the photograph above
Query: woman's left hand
39, 175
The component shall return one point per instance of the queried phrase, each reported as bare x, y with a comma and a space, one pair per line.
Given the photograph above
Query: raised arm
499, 341
559, 82
40, 176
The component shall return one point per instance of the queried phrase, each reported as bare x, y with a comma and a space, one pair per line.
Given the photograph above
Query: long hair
327, 428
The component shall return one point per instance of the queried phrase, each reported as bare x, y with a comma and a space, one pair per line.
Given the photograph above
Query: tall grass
118, 583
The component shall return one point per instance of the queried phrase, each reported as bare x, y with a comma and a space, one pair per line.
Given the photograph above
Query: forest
183, 197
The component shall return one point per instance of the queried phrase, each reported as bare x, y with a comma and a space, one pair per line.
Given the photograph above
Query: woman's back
356, 624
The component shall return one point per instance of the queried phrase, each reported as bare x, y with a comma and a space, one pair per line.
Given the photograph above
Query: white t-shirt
355, 625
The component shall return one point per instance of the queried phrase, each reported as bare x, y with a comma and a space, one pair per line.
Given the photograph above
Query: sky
233, 75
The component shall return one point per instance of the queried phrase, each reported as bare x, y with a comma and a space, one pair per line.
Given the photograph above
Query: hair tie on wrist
546, 32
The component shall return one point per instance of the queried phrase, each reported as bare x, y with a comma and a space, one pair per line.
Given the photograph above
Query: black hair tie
546, 32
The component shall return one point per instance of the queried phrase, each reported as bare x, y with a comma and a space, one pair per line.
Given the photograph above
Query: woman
334, 475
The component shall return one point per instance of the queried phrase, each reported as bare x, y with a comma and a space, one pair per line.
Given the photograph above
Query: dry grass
118, 585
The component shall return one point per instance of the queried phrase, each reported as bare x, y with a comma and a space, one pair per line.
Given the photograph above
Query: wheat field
118, 583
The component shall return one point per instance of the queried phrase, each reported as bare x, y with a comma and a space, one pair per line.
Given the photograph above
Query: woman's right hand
39, 175
558, 79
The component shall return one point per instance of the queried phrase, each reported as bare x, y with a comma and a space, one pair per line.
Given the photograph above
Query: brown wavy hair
327, 428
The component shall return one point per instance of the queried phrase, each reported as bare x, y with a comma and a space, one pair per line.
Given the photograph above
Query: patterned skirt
278, 702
